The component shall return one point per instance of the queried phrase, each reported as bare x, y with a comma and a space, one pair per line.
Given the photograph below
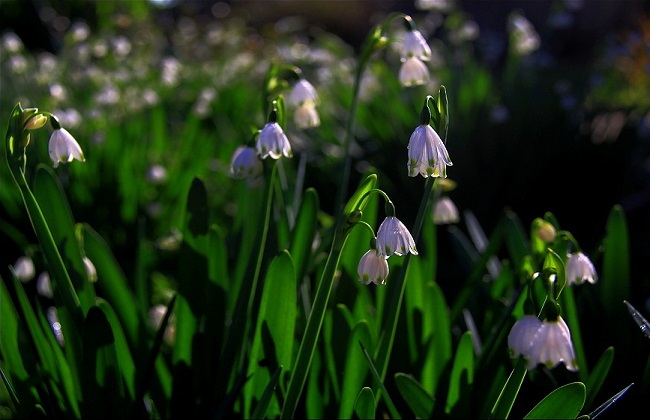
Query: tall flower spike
63, 147
394, 238
579, 269
373, 267
427, 154
552, 345
272, 141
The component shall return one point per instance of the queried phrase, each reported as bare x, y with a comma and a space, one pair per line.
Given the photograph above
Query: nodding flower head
373, 267
64, 148
413, 72
414, 45
427, 154
302, 93
579, 269
245, 164
273, 142
394, 238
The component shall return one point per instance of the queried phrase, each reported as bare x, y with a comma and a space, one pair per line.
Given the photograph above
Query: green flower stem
15, 154
314, 324
234, 345
393, 310
375, 40
509, 392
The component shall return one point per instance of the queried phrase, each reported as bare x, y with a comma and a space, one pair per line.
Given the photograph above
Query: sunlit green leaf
417, 398
364, 406
462, 378
563, 403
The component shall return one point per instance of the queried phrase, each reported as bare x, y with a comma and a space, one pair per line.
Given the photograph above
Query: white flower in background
445, 211
64, 148
373, 267
525, 39
521, 335
44, 286
427, 154
245, 163
394, 238
156, 315
414, 45
304, 98
438, 5
157, 174
552, 345
306, 116
24, 269
53, 319
302, 93
579, 269
273, 142
413, 72
91, 271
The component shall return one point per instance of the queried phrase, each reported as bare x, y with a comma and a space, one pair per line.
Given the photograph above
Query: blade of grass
387, 400
563, 403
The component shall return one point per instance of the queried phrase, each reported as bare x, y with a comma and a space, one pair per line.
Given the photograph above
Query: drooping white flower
413, 72
579, 269
44, 286
306, 116
414, 45
427, 153
24, 269
394, 238
245, 163
445, 211
64, 148
524, 36
302, 93
552, 345
373, 267
521, 335
273, 142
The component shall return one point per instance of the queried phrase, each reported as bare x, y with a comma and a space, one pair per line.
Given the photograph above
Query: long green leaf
103, 391
462, 378
263, 404
43, 349
274, 335
509, 392
417, 398
598, 375
563, 403
355, 370
302, 236
615, 282
17, 358
365, 404
57, 213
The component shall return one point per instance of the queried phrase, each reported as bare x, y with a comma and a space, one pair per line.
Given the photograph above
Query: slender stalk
312, 330
394, 304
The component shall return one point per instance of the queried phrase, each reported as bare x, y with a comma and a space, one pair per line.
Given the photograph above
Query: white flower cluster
547, 342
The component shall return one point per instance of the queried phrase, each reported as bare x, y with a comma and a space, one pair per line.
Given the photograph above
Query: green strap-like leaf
417, 398
563, 403
365, 404
263, 404
598, 375
102, 387
462, 378
355, 369
273, 340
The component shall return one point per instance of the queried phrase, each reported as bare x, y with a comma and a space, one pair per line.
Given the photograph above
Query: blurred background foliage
573, 114
158, 92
